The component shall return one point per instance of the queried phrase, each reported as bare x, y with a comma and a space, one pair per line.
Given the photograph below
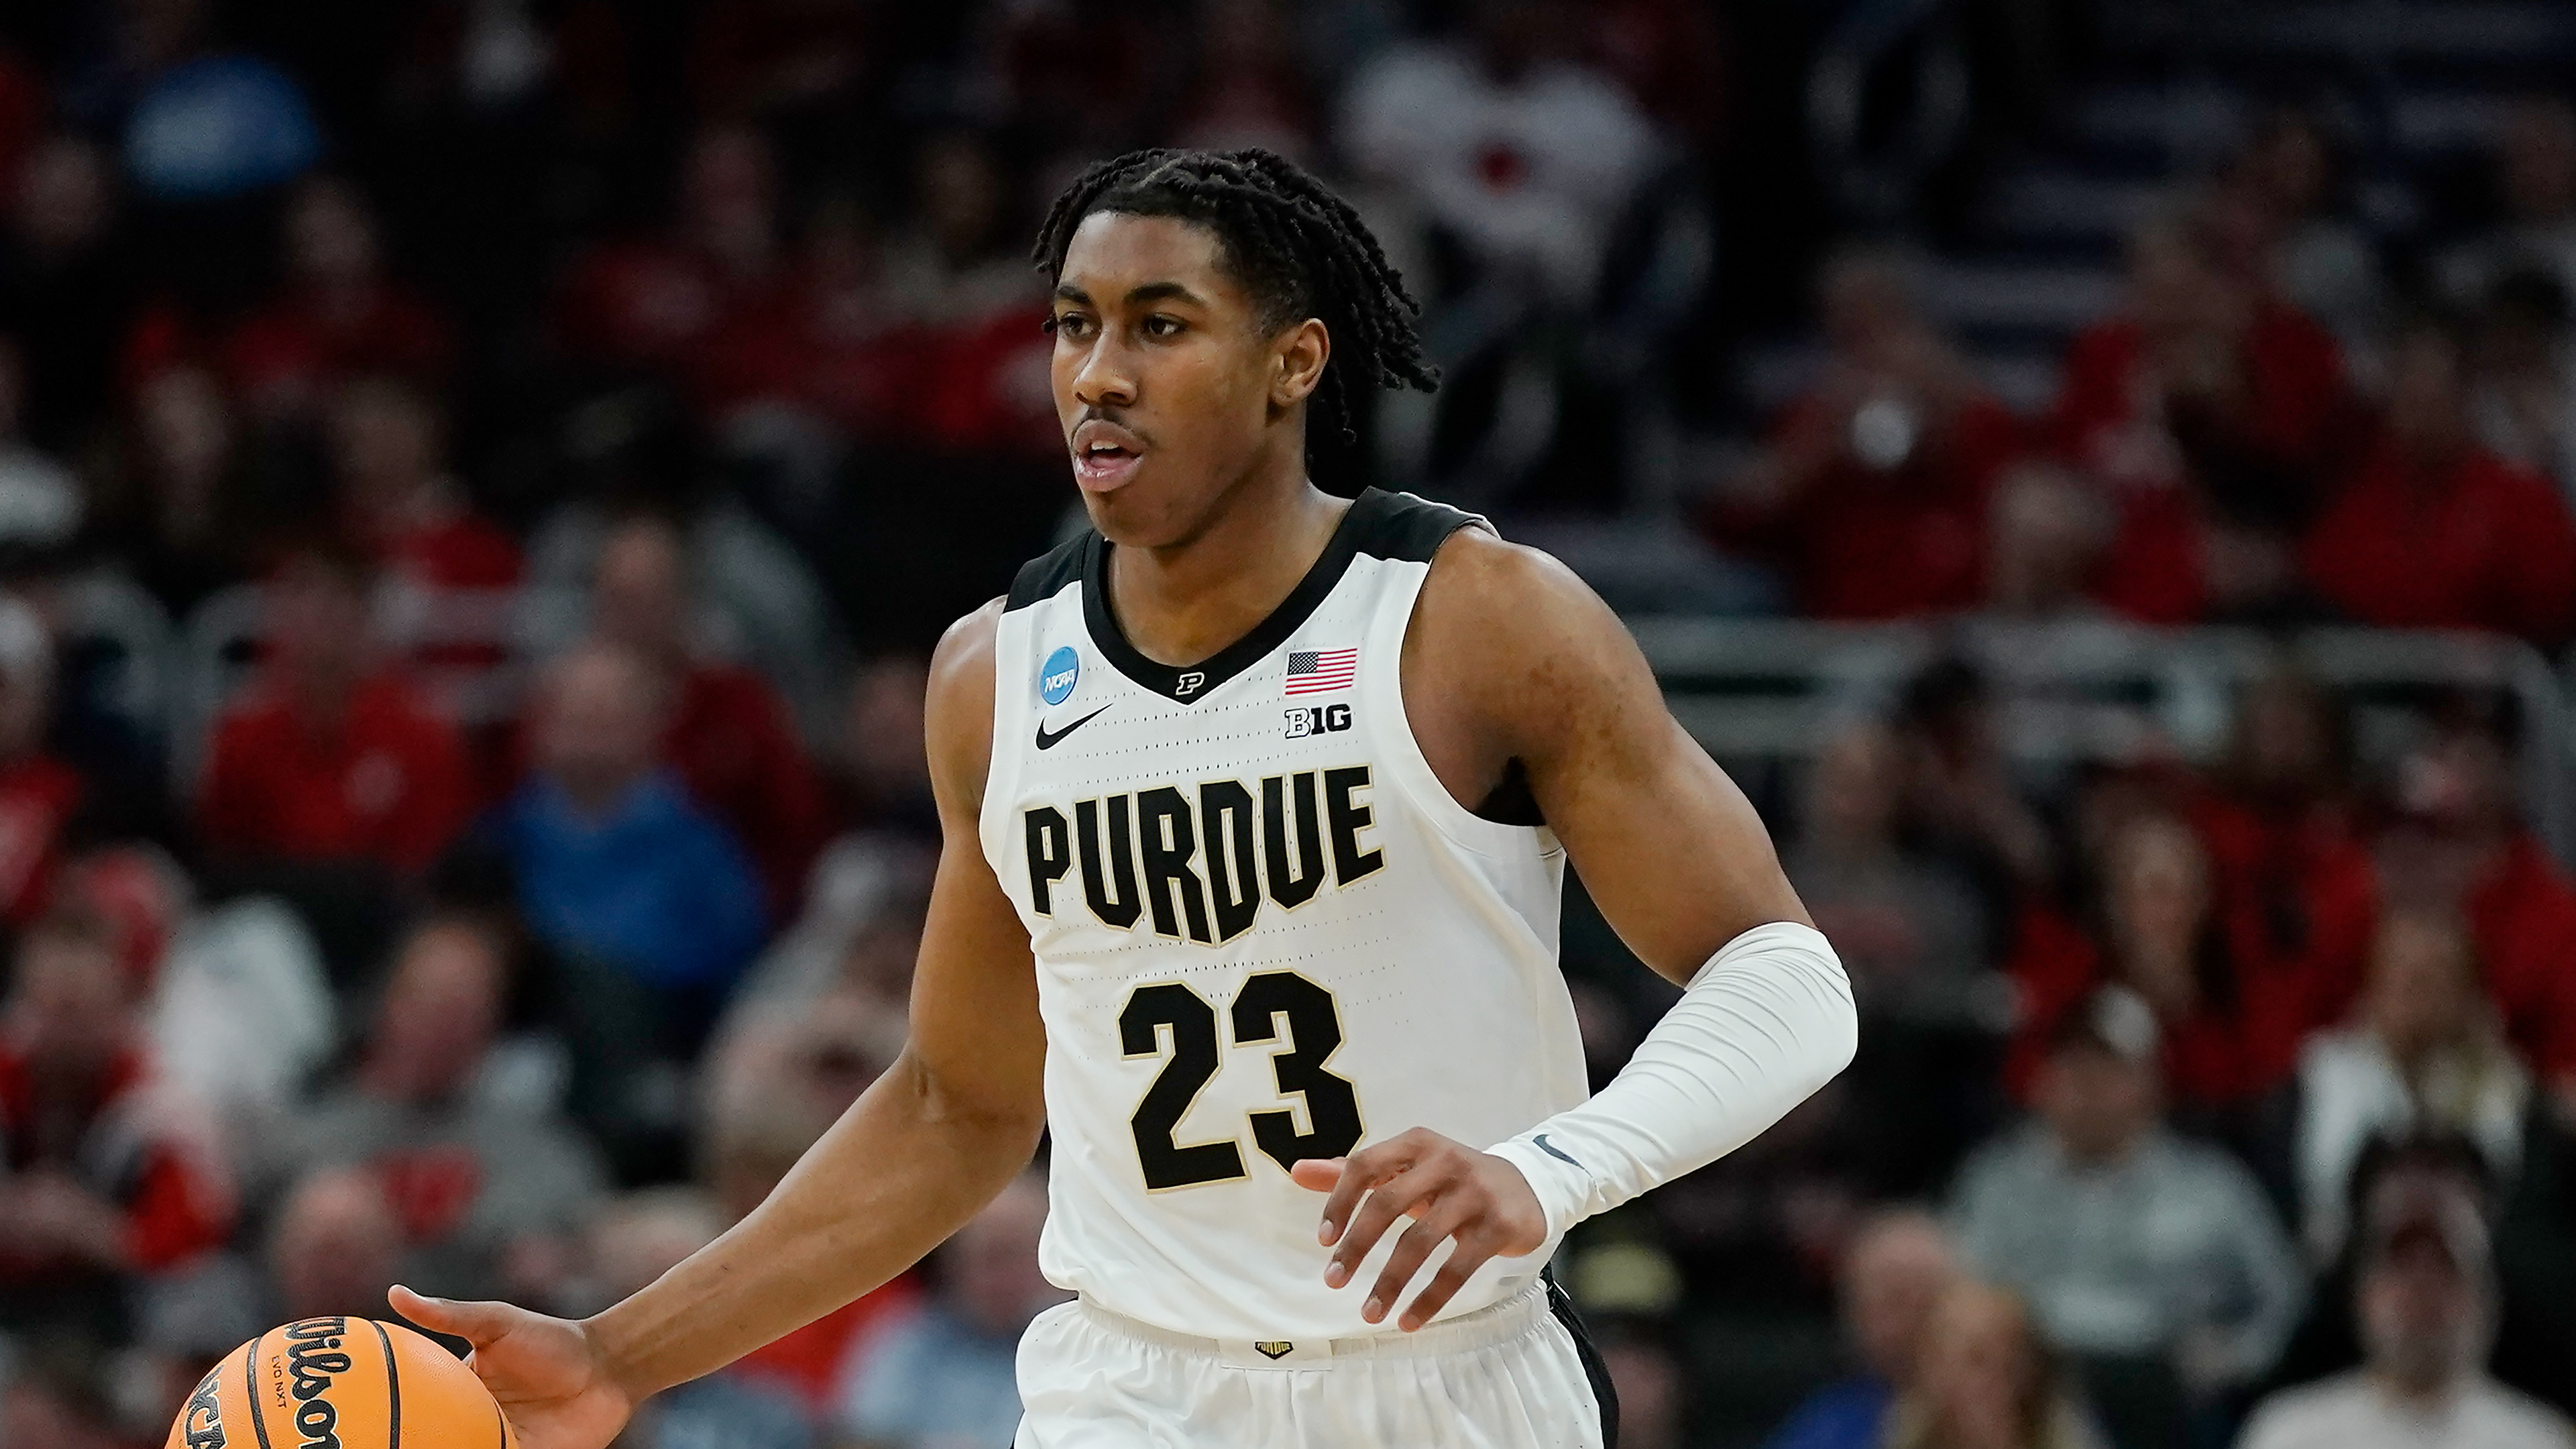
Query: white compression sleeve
1764, 1024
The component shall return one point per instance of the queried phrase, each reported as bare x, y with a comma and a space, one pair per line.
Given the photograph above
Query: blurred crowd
479, 480
2282, 421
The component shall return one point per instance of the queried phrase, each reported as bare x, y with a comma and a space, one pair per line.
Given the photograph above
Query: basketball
340, 1383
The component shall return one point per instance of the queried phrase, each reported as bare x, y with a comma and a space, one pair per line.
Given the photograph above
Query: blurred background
479, 480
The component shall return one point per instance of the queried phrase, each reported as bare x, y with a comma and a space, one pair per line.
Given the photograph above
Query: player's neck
1183, 602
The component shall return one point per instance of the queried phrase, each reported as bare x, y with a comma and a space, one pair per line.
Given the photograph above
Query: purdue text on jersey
1268, 844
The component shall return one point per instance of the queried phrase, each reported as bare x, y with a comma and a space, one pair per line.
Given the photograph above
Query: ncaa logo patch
1057, 675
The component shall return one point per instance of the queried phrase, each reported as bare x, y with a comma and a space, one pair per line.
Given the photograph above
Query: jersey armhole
1383, 661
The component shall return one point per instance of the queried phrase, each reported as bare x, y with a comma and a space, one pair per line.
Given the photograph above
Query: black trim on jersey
1604, 1392
1379, 524
1046, 575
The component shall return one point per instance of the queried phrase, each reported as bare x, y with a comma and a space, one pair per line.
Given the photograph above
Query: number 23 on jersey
1270, 1004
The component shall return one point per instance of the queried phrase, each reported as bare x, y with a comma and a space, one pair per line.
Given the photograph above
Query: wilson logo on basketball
313, 1359
202, 1423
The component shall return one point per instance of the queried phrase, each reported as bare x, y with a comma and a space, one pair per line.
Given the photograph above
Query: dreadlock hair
1299, 249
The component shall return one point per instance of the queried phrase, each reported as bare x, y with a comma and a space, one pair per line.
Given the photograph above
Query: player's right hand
550, 1378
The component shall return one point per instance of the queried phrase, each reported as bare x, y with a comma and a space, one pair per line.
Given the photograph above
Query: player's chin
1131, 515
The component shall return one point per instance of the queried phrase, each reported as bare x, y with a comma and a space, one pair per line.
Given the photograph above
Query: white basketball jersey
1264, 932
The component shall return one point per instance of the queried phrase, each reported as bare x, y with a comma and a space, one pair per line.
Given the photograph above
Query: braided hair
1300, 250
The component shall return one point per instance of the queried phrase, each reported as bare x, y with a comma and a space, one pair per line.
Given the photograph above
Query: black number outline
1166, 1162
1332, 1102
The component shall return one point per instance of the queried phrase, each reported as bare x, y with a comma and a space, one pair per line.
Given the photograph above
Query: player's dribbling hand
546, 1373
1449, 1189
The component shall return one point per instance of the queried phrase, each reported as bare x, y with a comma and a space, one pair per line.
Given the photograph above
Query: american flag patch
1312, 671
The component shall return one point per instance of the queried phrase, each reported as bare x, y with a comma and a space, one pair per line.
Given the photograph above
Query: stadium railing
1769, 693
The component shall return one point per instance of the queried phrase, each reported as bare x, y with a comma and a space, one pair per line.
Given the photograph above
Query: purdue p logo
1274, 1348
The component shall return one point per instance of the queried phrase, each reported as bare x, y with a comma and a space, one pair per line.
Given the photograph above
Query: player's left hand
1449, 1189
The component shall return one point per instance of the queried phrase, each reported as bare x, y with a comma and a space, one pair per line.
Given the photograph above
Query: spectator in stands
637, 1239
2424, 1053
960, 283
1253, 85
2227, 1029
340, 315
2294, 885
388, 447
106, 1173
39, 793
776, 1077
2457, 845
66, 286
40, 499
2522, 376
200, 122
2425, 1306
334, 1247
1871, 492
863, 899
649, 304
2186, 1310
2046, 533
1988, 1380
479, 1186
2208, 411
1911, 933
2435, 532
1507, 141
63, 1397
331, 757
614, 862
1962, 805
179, 512
2287, 187
727, 732
2535, 180
944, 1375
1894, 1275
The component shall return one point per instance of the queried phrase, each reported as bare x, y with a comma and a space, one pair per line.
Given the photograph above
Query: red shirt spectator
1871, 494
2469, 542
655, 303
2290, 370
2231, 1026
736, 749
386, 781
100, 1171
38, 792
2522, 916
340, 315
388, 445
2208, 412
331, 758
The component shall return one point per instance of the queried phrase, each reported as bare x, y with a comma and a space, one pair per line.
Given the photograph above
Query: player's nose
1106, 377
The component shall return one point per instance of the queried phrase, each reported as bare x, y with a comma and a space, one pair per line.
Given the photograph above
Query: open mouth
1102, 457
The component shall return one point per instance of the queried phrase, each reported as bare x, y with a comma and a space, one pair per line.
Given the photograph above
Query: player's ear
1298, 356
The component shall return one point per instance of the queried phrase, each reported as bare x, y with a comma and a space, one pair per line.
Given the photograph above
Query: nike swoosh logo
1550, 1148
1047, 738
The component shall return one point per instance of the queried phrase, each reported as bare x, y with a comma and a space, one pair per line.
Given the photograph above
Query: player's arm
1510, 657
926, 1146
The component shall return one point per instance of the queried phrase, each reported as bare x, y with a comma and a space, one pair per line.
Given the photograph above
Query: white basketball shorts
1518, 1375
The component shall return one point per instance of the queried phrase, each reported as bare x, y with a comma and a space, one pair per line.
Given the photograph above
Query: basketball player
1257, 802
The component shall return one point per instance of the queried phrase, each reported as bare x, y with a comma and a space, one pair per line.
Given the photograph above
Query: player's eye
1067, 324
1160, 325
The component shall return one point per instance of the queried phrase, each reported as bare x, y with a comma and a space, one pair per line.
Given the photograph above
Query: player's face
1168, 389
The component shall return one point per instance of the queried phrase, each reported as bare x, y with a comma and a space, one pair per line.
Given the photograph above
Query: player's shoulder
958, 712
1490, 598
